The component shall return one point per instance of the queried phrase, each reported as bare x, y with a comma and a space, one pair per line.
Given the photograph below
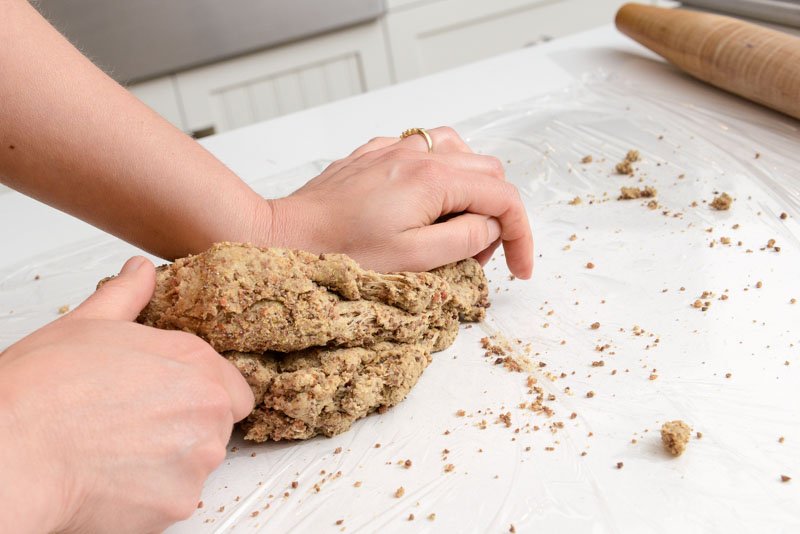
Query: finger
242, 399
122, 297
470, 162
444, 139
464, 161
438, 244
485, 255
192, 350
477, 193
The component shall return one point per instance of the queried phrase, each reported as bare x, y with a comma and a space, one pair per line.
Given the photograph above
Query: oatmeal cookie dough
323, 391
244, 298
675, 436
320, 341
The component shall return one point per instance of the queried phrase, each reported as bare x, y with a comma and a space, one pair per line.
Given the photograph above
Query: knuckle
215, 401
180, 507
210, 456
475, 238
188, 344
495, 166
448, 138
510, 190
447, 132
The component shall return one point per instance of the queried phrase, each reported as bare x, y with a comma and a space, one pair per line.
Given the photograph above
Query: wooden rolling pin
757, 63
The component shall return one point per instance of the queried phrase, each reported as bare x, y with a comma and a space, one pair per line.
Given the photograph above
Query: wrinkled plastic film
731, 371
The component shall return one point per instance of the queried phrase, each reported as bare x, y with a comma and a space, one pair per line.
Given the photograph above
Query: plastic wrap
731, 371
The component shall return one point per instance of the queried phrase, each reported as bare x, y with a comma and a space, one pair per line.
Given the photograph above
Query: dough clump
675, 436
320, 341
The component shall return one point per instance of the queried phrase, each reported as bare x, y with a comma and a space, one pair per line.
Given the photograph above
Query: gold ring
423, 133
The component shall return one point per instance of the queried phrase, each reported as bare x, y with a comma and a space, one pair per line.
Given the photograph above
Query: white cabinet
280, 80
427, 36
414, 38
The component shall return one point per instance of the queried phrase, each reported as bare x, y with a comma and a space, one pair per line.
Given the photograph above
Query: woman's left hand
393, 206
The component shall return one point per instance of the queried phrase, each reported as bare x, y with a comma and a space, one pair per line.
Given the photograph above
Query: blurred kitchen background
209, 66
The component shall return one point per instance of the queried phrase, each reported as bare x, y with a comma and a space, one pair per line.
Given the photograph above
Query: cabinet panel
438, 34
285, 79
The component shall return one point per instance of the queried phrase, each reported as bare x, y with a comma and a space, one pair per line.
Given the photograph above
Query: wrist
30, 484
283, 222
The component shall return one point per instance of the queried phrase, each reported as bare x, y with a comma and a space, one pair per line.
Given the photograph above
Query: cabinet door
427, 36
289, 78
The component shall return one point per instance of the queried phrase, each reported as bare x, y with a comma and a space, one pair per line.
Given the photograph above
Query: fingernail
494, 230
132, 265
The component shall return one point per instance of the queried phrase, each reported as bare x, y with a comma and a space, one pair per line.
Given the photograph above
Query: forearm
75, 139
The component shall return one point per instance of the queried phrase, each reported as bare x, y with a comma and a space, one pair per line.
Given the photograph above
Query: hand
387, 205
110, 426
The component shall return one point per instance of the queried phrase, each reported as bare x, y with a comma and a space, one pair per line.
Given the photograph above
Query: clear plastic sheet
732, 371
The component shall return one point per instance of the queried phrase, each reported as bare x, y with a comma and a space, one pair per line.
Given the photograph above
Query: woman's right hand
107, 425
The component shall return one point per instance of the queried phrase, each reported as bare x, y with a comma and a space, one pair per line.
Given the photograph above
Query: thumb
122, 297
461, 237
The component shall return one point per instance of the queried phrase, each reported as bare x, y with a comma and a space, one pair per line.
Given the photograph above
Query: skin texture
73, 138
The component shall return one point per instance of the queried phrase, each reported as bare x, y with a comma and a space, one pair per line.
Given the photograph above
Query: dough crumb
575, 201
630, 193
785, 478
63, 309
586, 159
399, 492
625, 166
675, 436
722, 202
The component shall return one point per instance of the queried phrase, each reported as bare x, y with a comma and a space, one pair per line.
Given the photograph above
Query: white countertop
539, 109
